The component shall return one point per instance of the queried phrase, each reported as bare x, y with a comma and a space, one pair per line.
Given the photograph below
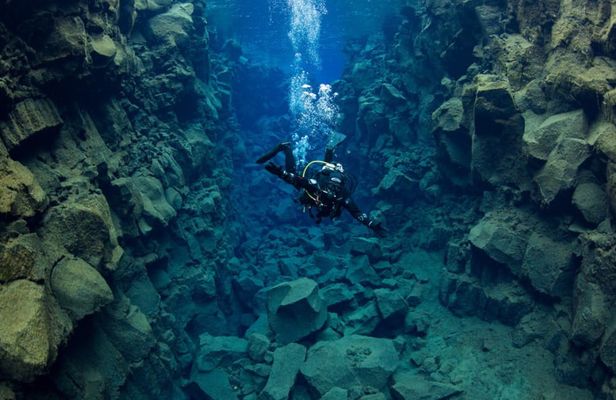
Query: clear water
262, 28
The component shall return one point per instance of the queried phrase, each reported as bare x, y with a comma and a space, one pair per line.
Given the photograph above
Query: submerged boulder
20, 193
591, 201
84, 227
287, 362
603, 137
103, 49
143, 201
608, 348
79, 287
541, 141
26, 340
590, 313
172, 27
497, 148
350, 361
295, 310
219, 352
23, 257
561, 168
390, 303
501, 240
408, 386
29, 118
453, 140
209, 377
549, 265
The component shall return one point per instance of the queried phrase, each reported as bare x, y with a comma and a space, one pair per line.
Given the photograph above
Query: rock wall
520, 96
113, 168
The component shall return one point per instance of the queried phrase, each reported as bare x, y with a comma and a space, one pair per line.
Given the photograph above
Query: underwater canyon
145, 255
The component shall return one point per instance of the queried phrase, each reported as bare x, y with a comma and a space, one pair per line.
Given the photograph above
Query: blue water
261, 27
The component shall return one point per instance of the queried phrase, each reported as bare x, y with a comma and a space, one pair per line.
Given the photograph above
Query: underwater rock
453, 139
128, 329
213, 385
607, 351
91, 366
350, 361
591, 201
65, 41
287, 362
587, 82
366, 246
363, 320
497, 155
500, 239
29, 118
521, 62
23, 257
505, 302
152, 196
295, 310
490, 18
337, 294
549, 265
6, 393
246, 286
218, 352
26, 340
408, 386
561, 168
258, 346
602, 136
20, 193
336, 393
395, 184
103, 49
535, 325
532, 97
401, 129
390, 303
392, 96
79, 287
209, 375
172, 27
611, 185
541, 141
151, 5
373, 118
84, 227
590, 313
144, 200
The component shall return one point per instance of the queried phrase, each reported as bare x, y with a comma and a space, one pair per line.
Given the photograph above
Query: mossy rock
79, 287
25, 336
22, 257
20, 193
84, 228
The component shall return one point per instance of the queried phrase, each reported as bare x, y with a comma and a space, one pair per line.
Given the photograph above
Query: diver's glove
274, 169
377, 227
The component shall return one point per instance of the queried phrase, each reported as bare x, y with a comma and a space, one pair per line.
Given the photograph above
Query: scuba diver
328, 191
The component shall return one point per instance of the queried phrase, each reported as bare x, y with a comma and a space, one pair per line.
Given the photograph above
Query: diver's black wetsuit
329, 191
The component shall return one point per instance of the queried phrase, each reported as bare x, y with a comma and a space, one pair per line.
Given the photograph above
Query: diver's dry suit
328, 191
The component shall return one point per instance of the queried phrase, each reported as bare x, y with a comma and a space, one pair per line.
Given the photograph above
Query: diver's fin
272, 153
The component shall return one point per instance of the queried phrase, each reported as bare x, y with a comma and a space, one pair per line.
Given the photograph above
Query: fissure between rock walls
133, 257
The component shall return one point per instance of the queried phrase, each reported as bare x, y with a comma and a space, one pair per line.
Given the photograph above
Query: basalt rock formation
111, 117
